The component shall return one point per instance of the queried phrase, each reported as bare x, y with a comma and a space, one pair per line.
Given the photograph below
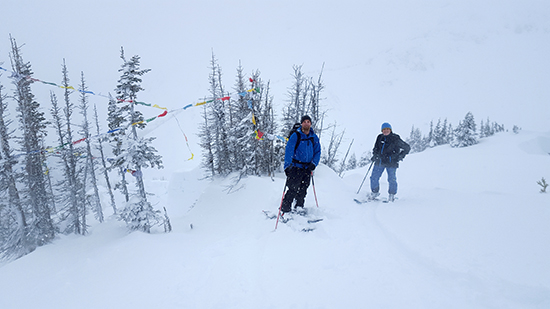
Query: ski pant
377, 173
297, 181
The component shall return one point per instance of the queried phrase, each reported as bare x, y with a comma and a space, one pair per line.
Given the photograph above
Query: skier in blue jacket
302, 155
388, 150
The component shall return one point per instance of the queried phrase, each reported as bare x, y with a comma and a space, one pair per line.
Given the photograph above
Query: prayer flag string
16, 76
258, 134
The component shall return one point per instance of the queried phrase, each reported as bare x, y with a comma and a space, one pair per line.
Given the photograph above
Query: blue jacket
308, 150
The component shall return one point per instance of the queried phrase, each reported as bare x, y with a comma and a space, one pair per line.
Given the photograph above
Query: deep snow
470, 230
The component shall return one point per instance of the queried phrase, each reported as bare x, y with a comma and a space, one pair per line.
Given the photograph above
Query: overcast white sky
406, 62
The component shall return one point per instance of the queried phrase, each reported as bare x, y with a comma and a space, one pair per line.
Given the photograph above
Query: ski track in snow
470, 284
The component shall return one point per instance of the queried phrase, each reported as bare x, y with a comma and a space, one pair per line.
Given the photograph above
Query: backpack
294, 129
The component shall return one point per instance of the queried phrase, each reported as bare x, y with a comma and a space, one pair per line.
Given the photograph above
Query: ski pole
365, 177
314, 194
281, 206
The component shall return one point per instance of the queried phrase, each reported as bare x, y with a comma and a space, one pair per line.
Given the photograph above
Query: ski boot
373, 196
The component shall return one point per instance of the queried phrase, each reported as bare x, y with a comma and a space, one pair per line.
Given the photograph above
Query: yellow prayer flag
159, 107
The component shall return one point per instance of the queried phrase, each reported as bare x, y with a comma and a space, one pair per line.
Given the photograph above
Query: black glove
401, 156
374, 158
287, 171
311, 167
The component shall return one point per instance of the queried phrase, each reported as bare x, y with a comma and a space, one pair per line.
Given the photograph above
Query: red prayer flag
80, 140
260, 134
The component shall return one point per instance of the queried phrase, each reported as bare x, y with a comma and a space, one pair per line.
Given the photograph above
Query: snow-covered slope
470, 230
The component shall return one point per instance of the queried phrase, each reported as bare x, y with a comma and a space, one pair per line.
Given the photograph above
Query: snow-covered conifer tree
14, 241
365, 159
430, 139
497, 128
205, 135
242, 126
73, 172
117, 128
352, 162
103, 161
254, 154
415, 140
482, 130
262, 103
329, 157
444, 133
304, 97
137, 152
316, 113
465, 134
92, 199
437, 134
450, 134
33, 128
70, 198
441, 133
269, 160
218, 120
489, 130
295, 107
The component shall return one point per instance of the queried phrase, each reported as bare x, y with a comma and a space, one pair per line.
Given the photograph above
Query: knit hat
304, 118
386, 125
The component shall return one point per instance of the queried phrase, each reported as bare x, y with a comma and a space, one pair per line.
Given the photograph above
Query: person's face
386, 131
306, 125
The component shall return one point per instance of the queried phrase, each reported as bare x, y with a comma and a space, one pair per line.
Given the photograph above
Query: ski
303, 212
269, 215
272, 216
365, 201
314, 220
385, 200
294, 219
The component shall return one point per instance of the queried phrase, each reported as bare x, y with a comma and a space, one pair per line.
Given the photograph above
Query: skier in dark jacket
302, 155
388, 150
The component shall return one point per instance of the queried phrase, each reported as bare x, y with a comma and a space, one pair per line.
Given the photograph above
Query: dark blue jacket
308, 150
